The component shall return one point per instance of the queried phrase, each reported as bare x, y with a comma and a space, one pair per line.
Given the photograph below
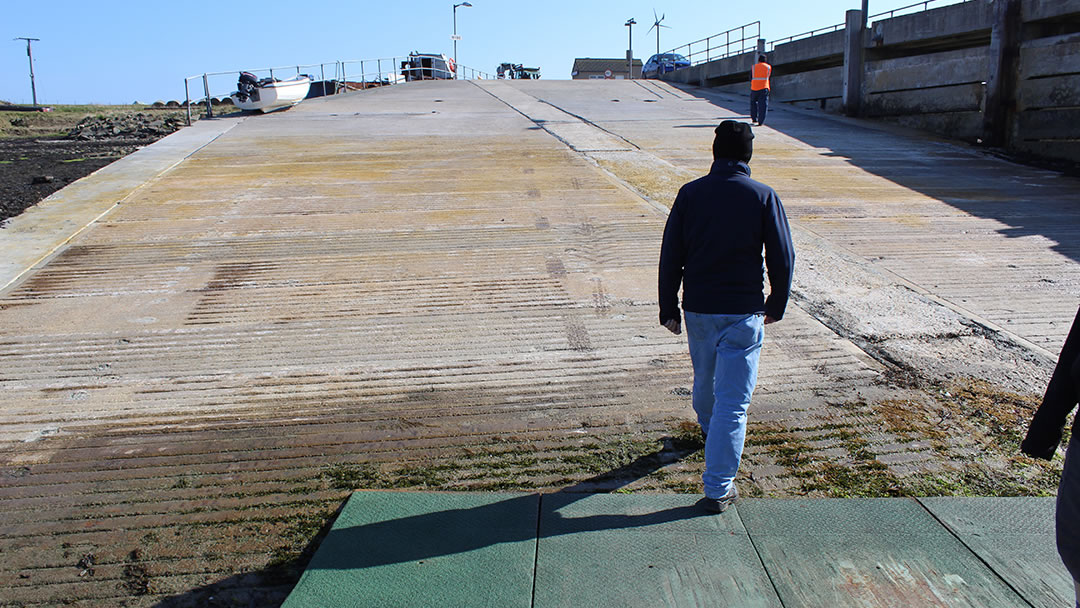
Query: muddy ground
32, 169
42, 152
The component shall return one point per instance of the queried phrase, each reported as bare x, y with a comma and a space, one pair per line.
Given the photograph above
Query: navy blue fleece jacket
712, 245
1062, 394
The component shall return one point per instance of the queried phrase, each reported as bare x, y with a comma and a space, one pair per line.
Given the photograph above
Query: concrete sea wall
1000, 72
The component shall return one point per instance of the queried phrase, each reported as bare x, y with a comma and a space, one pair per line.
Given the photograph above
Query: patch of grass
864, 476
1002, 414
607, 458
353, 476
302, 533
419, 476
905, 418
503, 485
63, 118
682, 486
974, 481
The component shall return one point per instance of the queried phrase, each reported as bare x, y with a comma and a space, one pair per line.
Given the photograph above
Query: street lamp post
455, 36
33, 89
630, 47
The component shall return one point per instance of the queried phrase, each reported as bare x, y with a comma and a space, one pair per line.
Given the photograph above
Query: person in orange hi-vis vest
759, 90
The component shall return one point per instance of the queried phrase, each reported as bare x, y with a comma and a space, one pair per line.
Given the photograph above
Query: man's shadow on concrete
523, 517
446, 532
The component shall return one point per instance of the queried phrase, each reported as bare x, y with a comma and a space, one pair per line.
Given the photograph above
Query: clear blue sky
111, 51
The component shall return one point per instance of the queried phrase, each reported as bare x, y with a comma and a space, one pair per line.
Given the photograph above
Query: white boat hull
275, 95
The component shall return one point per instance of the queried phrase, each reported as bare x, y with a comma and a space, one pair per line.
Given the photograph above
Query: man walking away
759, 90
1045, 434
712, 245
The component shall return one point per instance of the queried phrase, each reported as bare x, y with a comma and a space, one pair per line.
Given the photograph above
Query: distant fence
339, 76
708, 49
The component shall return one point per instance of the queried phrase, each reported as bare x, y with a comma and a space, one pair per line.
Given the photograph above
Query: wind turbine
657, 26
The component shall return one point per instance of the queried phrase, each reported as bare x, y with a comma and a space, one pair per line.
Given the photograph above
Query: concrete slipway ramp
452, 285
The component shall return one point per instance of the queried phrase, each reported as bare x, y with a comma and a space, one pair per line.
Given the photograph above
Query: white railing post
187, 101
206, 89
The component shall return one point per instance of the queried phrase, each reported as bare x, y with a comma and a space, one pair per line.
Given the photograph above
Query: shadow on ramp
1026, 201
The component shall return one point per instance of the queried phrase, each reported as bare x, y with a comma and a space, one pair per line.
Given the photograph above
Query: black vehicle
428, 66
663, 63
515, 71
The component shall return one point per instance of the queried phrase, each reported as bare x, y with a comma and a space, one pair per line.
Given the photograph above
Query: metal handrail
925, 6
887, 14
728, 43
810, 34
365, 72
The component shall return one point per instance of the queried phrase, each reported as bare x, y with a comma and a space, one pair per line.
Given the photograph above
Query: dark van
427, 66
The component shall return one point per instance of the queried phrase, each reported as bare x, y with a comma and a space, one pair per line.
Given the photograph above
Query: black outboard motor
248, 86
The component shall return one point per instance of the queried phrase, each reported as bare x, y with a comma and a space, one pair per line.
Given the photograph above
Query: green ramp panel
832, 553
414, 549
1015, 536
617, 550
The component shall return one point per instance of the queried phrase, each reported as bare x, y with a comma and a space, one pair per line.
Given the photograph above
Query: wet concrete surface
404, 277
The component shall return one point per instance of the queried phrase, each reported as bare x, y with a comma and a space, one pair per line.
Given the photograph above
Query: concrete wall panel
921, 71
1034, 10
1047, 93
965, 126
1054, 55
735, 89
809, 49
1048, 125
952, 20
829, 104
817, 84
953, 98
735, 66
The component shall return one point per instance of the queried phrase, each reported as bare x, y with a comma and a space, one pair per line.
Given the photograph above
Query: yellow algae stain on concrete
655, 181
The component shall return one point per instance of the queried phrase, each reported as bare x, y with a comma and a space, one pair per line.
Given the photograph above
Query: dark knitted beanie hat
734, 141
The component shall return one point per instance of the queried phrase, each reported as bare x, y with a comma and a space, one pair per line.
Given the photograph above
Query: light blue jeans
725, 351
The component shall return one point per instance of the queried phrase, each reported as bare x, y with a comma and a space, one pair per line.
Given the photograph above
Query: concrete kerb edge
63, 240
974, 318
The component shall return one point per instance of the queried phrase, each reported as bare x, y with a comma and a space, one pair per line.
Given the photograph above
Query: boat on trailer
269, 94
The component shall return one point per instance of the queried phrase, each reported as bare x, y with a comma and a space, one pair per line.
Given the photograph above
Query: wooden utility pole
30, 54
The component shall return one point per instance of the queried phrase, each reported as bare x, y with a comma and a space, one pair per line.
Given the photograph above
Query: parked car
663, 63
427, 66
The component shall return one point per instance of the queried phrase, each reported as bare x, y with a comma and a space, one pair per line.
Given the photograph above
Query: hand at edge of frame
673, 326
769, 320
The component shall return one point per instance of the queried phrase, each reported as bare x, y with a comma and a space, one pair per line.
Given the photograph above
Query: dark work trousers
759, 105
1068, 511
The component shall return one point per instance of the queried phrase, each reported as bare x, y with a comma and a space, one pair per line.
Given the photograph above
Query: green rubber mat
425, 549
439, 549
1015, 536
868, 552
644, 550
